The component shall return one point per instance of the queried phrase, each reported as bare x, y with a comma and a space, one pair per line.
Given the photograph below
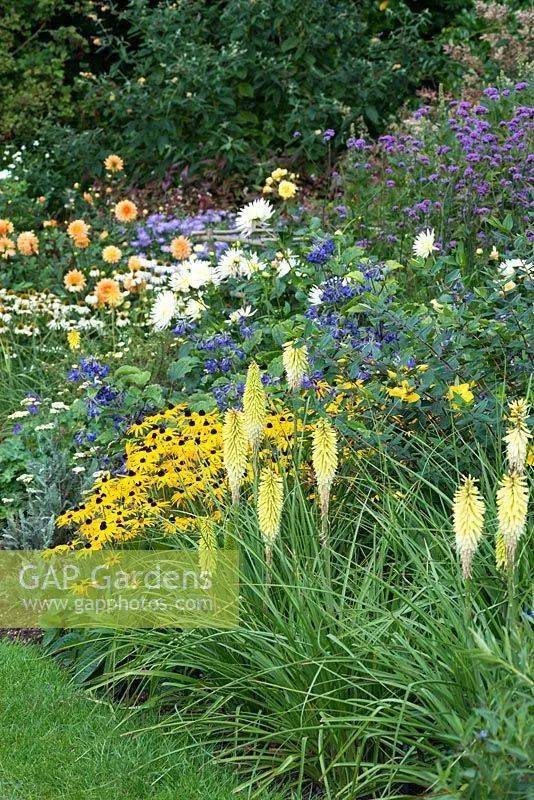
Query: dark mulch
22, 635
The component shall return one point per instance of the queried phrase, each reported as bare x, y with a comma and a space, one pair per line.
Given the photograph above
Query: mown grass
57, 744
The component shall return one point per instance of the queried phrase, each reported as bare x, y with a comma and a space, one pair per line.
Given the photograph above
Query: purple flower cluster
321, 251
364, 334
88, 370
225, 353
104, 397
33, 403
469, 164
154, 234
230, 394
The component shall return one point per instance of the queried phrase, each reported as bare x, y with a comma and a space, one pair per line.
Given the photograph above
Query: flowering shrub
491, 38
450, 168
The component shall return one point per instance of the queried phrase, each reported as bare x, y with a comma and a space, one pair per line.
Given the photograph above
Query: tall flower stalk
207, 546
324, 455
517, 436
512, 506
270, 502
295, 361
468, 513
235, 445
254, 407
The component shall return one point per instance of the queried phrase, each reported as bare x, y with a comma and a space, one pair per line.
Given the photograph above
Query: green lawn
57, 744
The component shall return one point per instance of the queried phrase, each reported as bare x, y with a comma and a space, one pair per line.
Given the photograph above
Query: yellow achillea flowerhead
207, 546
270, 501
295, 360
254, 406
517, 435
512, 506
74, 339
235, 447
324, 456
468, 513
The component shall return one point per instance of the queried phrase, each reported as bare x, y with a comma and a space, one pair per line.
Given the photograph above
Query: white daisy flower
253, 265
232, 264
163, 310
254, 216
193, 309
315, 297
180, 281
285, 263
423, 245
200, 272
242, 313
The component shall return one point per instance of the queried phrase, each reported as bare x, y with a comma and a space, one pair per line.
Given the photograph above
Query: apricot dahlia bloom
6, 226
7, 247
111, 254
74, 281
78, 230
28, 243
134, 263
108, 292
125, 211
114, 163
181, 248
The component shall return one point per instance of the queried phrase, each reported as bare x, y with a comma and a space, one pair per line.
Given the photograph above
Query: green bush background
211, 87
201, 84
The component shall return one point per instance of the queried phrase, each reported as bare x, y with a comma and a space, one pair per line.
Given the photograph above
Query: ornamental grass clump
468, 512
324, 454
235, 450
254, 406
